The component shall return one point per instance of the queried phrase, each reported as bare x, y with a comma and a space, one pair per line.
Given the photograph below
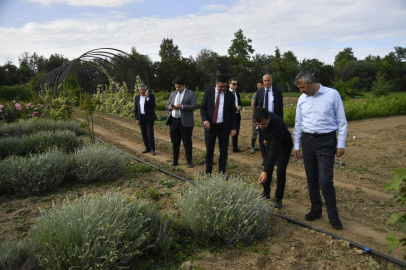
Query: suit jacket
238, 103
189, 103
148, 108
277, 100
208, 104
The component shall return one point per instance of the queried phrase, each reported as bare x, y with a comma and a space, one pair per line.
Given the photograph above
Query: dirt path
364, 208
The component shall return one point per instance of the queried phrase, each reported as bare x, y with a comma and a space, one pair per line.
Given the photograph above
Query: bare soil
374, 148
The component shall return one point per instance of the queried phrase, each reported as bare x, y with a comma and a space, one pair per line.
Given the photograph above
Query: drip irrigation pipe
298, 222
256, 148
364, 248
147, 163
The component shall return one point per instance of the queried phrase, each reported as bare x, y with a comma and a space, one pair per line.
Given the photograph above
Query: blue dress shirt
322, 113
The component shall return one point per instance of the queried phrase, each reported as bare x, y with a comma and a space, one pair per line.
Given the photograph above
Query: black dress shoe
335, 223
190, 164
146, 151
153, 152
266, 196
238, 150
277, 203
174, 163
313, 215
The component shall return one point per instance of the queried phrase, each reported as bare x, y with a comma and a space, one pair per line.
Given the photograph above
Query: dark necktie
216, 108
266, 99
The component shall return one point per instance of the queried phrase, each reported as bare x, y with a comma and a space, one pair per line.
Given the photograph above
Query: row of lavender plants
114, 231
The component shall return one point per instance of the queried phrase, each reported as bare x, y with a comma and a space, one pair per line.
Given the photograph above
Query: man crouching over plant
279, 144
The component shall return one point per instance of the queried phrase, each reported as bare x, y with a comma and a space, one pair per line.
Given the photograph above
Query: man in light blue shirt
319, 115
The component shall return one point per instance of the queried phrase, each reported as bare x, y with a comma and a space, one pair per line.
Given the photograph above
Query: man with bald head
270, 98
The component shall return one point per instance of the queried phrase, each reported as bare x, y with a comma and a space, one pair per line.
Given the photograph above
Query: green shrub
35, 174
381, 87
13, 254
65, 141
30, 126
246, 102
289, 116
228, 211
138, 168
16, 92
97, 232
161, 106
97, 163
398, 184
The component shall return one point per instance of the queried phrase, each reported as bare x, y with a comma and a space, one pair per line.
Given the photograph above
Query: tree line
348, 72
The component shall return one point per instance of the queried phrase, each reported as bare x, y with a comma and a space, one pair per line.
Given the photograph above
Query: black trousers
318, 157
210, 135
147, 131
235, 138
282, 163
180, 133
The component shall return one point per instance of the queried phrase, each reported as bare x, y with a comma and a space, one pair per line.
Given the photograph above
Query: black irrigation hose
364, 248
256, 148
147, 163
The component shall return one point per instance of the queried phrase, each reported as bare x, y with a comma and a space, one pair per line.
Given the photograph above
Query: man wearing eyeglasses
232, 83
279, 145
181, 105
218, 117
270, 98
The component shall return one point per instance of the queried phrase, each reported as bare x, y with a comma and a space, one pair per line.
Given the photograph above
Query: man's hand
146, 95
137, 122
206, 124
178, 107
262, 178
297, 154
265, 142
238, 108
233, 132
340, 152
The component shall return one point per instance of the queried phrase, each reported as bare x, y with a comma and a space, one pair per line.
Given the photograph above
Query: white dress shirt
234, 92
220, 118
322, 113
142, 104
270, 99
176, 103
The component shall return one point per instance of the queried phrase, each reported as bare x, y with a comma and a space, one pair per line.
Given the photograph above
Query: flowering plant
34, 111
10, 112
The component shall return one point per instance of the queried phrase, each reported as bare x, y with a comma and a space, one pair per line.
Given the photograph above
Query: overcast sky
311, 29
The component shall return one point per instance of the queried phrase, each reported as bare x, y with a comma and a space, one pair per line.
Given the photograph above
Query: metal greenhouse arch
90, 70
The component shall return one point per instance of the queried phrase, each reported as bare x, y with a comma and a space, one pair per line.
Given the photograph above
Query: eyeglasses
234, 83
221, 86
259, 125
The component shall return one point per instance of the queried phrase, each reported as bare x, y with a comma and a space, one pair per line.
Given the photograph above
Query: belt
315, 135
218, 123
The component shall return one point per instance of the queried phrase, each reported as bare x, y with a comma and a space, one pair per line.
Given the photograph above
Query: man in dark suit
268, 97
232, 83
181, 104
279, 144
144, 113
218, 116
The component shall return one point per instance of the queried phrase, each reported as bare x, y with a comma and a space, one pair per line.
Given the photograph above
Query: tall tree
240, 48
346, 54
168, 50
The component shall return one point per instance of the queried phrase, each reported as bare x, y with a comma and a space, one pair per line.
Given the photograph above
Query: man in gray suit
181, 104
